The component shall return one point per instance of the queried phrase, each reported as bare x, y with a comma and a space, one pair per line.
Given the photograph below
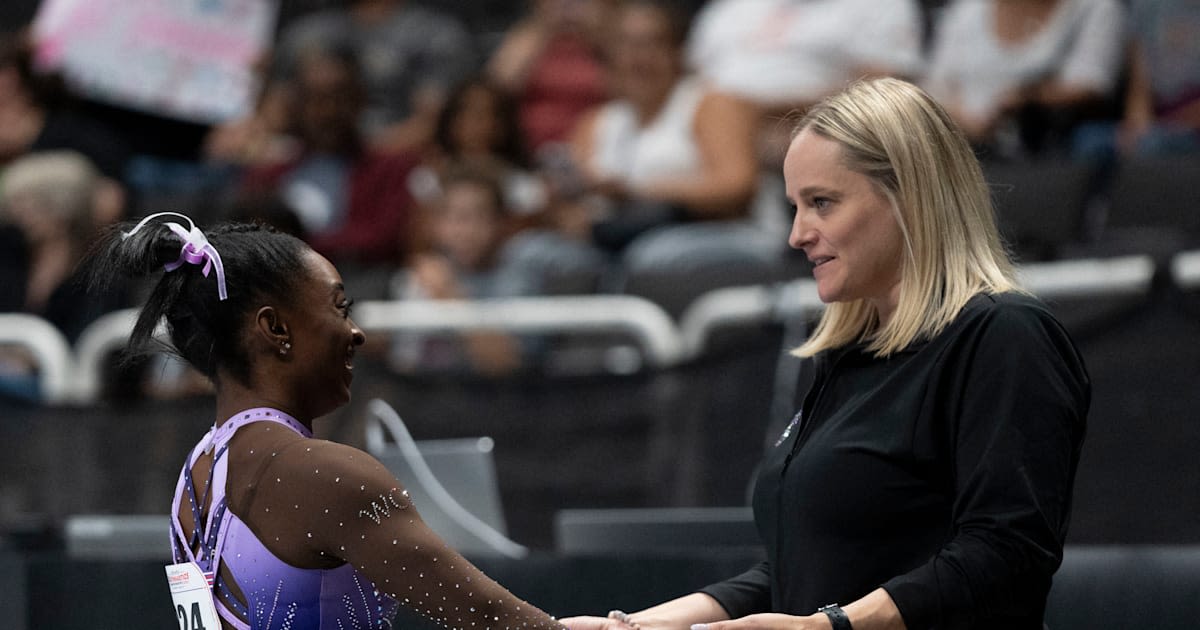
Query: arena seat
1154, 206
653, 530
452, 483
1157, 192
561, 266
1126, 587
1041, 206
674, 265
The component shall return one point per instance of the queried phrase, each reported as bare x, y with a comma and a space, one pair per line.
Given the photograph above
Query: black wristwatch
837, 617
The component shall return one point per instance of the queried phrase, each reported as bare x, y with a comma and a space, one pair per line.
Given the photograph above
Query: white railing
99, 340
75, 377
1126, 275
1130, 275
642, 319
49, 349
734, 306
1185, 270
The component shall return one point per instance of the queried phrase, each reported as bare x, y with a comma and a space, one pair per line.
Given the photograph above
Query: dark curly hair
259, 262
509, 145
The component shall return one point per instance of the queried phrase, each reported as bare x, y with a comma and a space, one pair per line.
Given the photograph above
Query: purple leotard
278, 596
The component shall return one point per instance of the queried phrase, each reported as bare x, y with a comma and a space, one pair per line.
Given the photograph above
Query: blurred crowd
429, 160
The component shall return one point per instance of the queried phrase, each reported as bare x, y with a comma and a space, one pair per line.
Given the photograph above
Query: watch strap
837, 617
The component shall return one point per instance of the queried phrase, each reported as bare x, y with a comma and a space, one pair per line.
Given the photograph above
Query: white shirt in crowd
639, 152
785, 52
1080, 46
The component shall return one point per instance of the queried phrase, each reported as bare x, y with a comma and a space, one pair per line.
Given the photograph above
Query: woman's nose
801, 234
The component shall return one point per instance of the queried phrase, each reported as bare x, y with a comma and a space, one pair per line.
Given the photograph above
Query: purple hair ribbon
196, 249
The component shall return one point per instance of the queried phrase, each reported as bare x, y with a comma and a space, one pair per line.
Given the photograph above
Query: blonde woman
926, 480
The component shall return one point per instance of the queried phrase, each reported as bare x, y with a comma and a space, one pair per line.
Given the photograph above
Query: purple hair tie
196, 248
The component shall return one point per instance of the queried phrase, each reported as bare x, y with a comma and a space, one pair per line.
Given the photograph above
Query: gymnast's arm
345, 507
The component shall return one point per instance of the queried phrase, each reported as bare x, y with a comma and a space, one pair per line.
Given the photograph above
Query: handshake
696, 612
616, 620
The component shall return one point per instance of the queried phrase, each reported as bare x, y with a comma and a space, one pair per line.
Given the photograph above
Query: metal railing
644, 320
1125, 275
1129, 275
100, 339
50, 350
1185, 270
75, 376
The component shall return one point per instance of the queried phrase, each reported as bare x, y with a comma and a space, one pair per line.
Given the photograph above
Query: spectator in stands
926, 480
47, 218
784, 55
478, 127
319, 530
410, 57
49, 212
469, 226
1162, 97
261, 138
550, 63
994, 60
352, 200
668, 148
36, 115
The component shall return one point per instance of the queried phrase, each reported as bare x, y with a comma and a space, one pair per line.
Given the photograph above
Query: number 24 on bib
192, 594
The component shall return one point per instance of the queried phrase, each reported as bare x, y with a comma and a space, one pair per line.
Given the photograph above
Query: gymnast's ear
270, 328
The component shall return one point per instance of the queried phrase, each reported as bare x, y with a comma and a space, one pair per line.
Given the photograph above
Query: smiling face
328, 101
644, 57
844, 224
323, 338
469, 227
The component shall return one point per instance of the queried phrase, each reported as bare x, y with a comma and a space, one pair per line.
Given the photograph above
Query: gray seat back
452, 483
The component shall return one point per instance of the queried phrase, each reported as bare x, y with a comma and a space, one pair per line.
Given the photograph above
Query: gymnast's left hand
770, 621
592, 623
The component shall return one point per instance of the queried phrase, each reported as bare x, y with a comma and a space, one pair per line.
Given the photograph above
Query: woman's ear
272, 330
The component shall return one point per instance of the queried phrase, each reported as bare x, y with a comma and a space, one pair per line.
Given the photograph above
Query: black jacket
942, 474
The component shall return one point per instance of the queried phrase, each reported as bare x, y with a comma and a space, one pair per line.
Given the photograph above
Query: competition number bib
192, 593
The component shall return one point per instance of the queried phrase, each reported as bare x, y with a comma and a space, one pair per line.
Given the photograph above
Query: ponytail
204, 312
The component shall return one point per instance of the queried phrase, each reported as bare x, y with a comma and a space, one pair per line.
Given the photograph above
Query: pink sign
189, 59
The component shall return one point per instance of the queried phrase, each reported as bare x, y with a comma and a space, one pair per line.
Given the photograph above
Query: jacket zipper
806, 413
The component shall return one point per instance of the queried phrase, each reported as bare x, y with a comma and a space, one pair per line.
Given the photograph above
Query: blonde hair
906, 144
61, 183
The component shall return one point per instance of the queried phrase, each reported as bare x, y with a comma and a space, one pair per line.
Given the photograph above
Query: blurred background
565, 227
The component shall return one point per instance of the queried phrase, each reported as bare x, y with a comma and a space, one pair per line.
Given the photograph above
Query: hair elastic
196, 248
